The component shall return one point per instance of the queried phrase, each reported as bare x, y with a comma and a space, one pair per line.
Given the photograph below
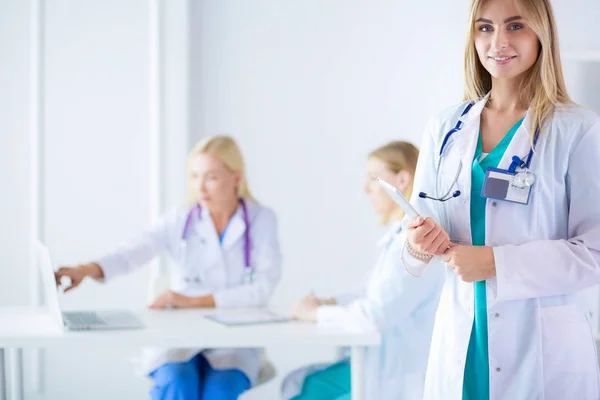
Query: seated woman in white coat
400, 306
226, 251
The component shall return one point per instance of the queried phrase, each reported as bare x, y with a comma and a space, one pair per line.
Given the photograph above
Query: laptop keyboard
84, 319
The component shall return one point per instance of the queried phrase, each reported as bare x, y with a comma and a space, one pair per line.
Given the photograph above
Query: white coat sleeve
266, 262
398, 297
346, 298
424, 181
553, 267
133, 254
356, 292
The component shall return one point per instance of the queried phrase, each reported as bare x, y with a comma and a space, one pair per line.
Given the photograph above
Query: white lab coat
402, 308
541, 344
220, 267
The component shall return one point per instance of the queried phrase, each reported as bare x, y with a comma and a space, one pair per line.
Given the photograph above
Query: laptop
79, 320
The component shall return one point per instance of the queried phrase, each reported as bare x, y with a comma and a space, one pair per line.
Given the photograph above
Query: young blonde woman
508, 183
226, 249
400, 306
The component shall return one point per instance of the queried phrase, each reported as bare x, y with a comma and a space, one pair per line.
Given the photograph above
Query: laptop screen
49, 283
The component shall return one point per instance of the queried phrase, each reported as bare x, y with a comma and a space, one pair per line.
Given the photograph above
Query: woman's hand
305, 308
171, 299
426, 236
471, 263
78, 274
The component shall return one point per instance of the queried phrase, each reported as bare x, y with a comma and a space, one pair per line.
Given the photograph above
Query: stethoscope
197, 210
523, 178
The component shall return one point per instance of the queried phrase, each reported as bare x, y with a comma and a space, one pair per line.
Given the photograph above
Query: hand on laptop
78, 274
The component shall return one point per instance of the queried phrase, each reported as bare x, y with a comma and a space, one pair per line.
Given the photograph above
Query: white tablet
398, 198
247, 317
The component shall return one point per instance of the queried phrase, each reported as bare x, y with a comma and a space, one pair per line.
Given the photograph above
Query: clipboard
247, 317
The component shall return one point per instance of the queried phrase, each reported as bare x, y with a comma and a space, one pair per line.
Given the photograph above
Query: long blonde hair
544, 86
227, 150
398, 156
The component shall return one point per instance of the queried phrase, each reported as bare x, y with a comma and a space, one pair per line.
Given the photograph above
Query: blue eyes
511, 27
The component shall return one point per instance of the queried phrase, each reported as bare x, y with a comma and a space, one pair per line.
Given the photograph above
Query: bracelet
417, 254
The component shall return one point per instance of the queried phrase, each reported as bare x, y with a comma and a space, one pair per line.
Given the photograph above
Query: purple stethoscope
248, 270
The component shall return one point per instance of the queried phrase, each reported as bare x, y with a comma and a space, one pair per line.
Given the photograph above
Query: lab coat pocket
568, 354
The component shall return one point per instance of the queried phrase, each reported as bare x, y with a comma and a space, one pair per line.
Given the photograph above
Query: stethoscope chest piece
524, 179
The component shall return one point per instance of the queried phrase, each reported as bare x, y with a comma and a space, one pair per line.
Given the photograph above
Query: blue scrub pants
197, 380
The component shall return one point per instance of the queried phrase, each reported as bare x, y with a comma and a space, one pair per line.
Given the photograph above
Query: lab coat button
498, 369
494, 204
496, 315
459, 362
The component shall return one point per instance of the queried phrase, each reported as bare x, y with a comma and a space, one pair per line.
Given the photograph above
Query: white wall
576, 20
309, 90
97, 162
14, 163
307, 87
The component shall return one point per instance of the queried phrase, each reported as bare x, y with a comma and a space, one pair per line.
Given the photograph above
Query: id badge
499, 184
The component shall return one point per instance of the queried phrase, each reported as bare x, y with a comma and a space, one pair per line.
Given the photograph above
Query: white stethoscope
248, 270
523, 178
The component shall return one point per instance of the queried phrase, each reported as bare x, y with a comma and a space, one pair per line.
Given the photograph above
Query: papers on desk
247, 317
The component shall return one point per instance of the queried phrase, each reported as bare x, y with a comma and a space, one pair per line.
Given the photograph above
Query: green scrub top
476, 384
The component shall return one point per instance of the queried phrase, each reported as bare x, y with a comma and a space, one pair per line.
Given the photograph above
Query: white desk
25, 327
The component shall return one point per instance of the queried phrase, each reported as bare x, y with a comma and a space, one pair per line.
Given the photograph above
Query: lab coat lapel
383, 240
463, 144
235, 229
392, 231
466, 138
520, 144
205, 230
